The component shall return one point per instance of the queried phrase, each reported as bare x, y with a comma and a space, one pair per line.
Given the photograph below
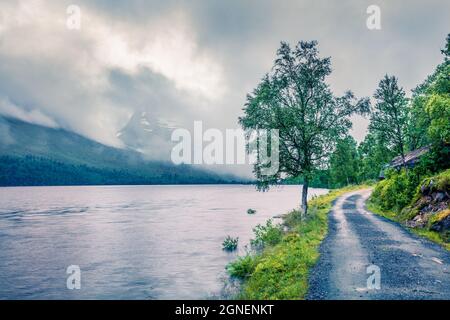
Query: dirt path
409, 267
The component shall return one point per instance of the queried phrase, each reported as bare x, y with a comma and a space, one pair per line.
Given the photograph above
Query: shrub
243, 267
266, 235
230, 244
397, 191
292, 219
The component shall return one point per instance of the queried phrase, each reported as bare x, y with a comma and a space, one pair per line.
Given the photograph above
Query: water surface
131, 242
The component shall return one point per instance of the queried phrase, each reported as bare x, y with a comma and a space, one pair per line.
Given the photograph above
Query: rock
423, 189
418, 221
427, 187
438, 196
441, 226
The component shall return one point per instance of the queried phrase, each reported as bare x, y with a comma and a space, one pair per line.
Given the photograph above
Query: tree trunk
305, 197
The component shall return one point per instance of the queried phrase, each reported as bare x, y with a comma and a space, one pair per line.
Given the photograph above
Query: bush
397, 191
243, 267
266, 235
401, 189
230, 244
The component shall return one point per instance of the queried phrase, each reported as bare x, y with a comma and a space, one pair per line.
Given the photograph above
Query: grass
430, 235
280, 271
391, 215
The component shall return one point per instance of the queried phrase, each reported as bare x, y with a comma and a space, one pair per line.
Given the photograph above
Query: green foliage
437, 182
295, 99
32, 170
374, 155
230, 244
433, 236
430, 107
281, 270
430, 235
419, 123
397, 190
319, 179
391, 114
438, 109
266, 235
344, 163
401, 197
243, 267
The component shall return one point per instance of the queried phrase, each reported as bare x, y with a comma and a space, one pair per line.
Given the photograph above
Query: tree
344, 163
437, 88
295, 99
391, 114
374, 154
430, 118
437, 98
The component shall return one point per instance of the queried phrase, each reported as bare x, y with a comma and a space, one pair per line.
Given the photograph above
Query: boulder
439, 196
441, 226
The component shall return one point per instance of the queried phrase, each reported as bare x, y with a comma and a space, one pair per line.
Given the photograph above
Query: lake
130, 242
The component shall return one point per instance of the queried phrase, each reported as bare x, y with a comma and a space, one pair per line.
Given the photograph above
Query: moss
440, 182
439, 216
281, 271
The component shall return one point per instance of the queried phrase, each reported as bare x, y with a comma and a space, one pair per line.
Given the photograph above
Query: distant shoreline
128, 185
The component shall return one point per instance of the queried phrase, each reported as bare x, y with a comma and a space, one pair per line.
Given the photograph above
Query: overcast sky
195, 60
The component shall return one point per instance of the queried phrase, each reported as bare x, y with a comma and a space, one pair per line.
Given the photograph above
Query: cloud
196, 60
44, 66
32, 116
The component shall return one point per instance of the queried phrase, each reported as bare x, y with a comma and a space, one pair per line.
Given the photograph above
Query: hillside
36, 155
423, 206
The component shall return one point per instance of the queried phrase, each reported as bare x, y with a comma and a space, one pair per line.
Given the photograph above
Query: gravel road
360, 243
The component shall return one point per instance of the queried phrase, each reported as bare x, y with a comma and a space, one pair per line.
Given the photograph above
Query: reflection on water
131, 242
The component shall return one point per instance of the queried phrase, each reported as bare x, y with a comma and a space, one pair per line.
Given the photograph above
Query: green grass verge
281, 270
430, 235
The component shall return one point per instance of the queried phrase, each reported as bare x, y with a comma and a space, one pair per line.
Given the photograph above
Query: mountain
146, 133
36, 155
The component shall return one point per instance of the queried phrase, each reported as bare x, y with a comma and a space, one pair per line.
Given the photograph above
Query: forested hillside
35, 155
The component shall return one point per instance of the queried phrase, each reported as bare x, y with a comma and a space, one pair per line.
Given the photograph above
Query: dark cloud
93, 80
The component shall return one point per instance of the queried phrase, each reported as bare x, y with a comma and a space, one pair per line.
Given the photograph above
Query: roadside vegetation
423, 207
418, 196
316, 149
277, 267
